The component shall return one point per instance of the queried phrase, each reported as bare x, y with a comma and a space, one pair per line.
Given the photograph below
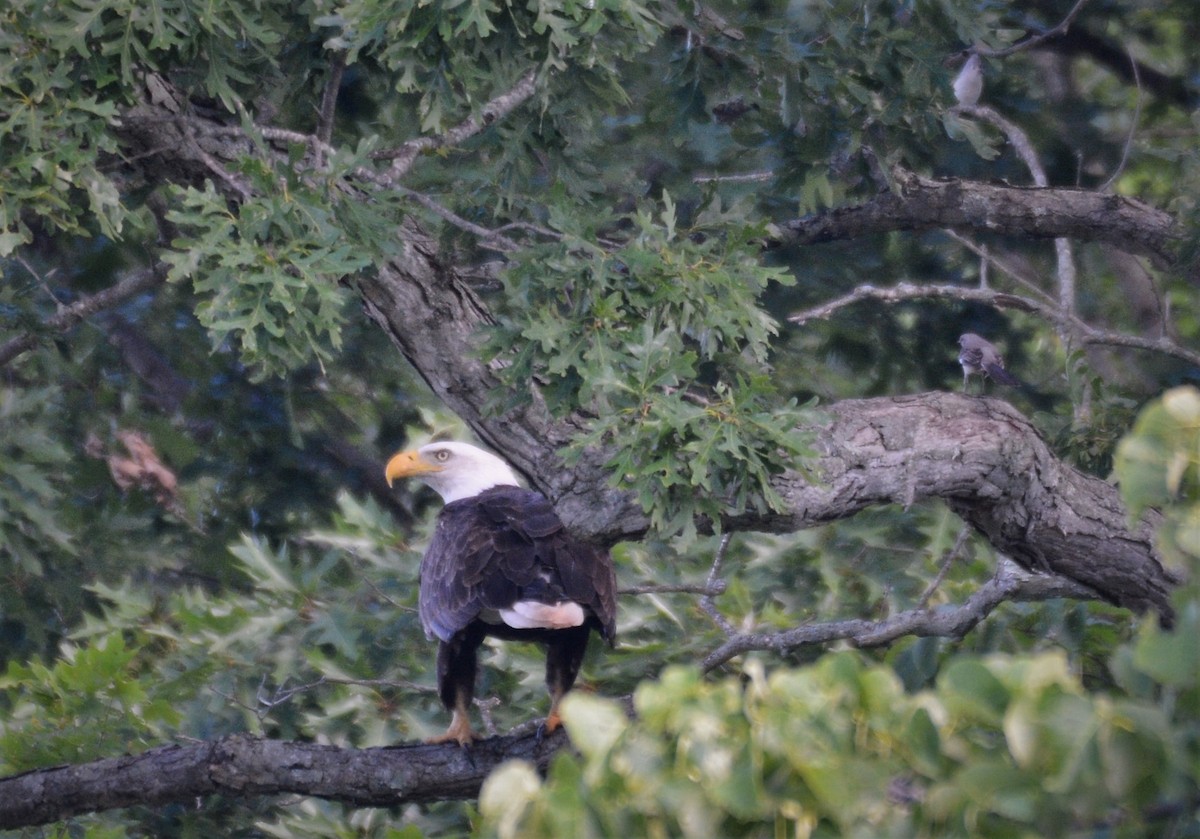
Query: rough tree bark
242, 765
920, 203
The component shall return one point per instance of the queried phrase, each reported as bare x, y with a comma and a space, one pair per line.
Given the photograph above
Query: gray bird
979, 358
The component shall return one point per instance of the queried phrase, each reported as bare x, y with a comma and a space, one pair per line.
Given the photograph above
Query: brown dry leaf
143, 468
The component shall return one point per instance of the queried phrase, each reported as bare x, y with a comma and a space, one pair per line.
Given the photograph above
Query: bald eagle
500, 563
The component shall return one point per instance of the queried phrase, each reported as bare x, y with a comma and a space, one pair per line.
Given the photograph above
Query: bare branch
910, 291
68, 316
748, 177
497, 109
1058, 29
1133, 124
1009, 583
952, 555
714, 576
1010, 270
708, 590
1001, 300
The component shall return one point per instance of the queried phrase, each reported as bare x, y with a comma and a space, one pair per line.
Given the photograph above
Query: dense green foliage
628, 334
248, 572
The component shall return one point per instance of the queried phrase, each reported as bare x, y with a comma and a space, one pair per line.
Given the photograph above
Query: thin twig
951, 555
1137, 116
1058, 29
1006, 267
707, 604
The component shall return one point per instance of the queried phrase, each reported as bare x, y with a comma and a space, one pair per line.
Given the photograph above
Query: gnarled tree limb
241, 765
921, 203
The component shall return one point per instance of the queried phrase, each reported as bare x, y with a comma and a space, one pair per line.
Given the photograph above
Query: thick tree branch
242, 766
921, 203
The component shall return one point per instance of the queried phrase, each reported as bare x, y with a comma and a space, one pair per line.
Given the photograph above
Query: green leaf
595, 724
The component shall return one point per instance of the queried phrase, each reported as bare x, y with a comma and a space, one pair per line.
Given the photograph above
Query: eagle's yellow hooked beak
409, 464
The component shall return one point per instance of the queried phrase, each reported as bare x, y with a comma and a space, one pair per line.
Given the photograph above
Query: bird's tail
998, 374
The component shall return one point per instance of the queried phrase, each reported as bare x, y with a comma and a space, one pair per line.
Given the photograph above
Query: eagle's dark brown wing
503, 545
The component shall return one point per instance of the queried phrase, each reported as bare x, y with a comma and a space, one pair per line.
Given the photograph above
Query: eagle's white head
454, 470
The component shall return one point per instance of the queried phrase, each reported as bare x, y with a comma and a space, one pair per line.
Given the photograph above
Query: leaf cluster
1000, 747
52, 139
30, 487
439, 51
1158, 465
66, 71
94, 701
663, 344
267, 277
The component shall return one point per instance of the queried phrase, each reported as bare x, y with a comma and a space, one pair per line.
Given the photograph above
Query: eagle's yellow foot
553, 720
460, 732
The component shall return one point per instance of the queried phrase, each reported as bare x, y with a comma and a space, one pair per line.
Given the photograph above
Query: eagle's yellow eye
441, 455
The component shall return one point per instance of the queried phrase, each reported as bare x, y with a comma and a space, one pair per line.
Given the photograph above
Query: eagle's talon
548, 726
460, 732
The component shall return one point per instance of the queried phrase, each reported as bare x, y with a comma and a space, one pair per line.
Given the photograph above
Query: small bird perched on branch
968, 84
979, 357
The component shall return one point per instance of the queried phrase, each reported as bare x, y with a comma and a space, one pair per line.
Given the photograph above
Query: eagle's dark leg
564, 655
456, 683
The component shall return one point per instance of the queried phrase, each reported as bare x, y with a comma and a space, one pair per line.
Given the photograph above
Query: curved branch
1009, 584
1000, 300
920, 204
497, 109
241, 766
1060, 28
